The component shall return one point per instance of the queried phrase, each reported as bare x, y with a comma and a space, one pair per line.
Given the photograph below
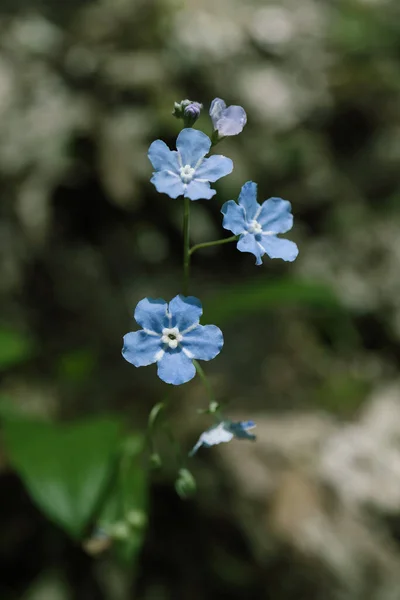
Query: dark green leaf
65, 468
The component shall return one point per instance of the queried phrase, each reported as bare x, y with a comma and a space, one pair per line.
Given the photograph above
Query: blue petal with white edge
185, 311
192, 146
169, 183
150, 313
248, 243
203, 342
140, 348
214, 168
162, 158
234, 217
279, 248
248, 199
199, 190
275, 215
175, 367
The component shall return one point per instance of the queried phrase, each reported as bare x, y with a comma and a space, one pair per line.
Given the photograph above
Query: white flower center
171, 337
254, 227
186, 173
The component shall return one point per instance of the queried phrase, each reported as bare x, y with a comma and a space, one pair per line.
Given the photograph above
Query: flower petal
278, 248
192, 146
248, 243
185, 311
140, 349
216, 109
167, 182
248, 199
240, 429
214, 168
215, 435
199, 190
232, 121
175, 367
150, 313
162, 158
204, 342
275, 215
234, 217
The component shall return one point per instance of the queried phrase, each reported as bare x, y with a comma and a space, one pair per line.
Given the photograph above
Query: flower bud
155, 461
192, 113
136, 518
185, 485
188, 111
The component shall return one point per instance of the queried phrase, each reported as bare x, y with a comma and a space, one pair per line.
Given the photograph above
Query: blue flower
258, 225
171, 337
225, 432
227, 120
185, 172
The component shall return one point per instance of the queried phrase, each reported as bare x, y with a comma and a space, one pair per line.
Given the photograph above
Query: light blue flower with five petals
186, 171
171, 337
258, 225
225, 431
227, 120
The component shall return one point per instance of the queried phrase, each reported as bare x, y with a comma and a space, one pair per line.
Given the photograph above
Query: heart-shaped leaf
66, 468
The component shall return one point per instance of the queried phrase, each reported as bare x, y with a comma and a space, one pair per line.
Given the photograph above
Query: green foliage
240, 300
124, 512
66, 468
77, 365
15, 348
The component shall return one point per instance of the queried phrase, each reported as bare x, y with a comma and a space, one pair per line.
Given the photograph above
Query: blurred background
312, 349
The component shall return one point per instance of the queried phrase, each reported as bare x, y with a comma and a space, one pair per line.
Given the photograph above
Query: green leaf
127, 500
15, 348
66, 468
238, 300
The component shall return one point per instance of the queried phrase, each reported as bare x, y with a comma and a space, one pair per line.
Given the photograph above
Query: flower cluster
171, 336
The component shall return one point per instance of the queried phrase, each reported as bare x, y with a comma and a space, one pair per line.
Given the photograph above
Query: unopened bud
136, 518
185, 485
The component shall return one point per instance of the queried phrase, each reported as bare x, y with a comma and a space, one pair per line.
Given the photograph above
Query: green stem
186, 245
204, 379
233, 238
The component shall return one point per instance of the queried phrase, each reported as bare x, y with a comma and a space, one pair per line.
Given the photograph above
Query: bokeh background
312, 349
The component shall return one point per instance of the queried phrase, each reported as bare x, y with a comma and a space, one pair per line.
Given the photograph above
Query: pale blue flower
227, 120
258, 225
171, 337
185, 171
225, 431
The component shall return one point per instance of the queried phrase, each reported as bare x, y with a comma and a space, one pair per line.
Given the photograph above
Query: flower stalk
233, 238
186, 245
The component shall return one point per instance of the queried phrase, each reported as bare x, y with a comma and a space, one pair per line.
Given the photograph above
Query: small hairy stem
233, 238
204, 379
186, 245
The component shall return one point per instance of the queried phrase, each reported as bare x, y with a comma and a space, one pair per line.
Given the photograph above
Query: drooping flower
186, 171
171, 337
225, 431
258, 225
227, 120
